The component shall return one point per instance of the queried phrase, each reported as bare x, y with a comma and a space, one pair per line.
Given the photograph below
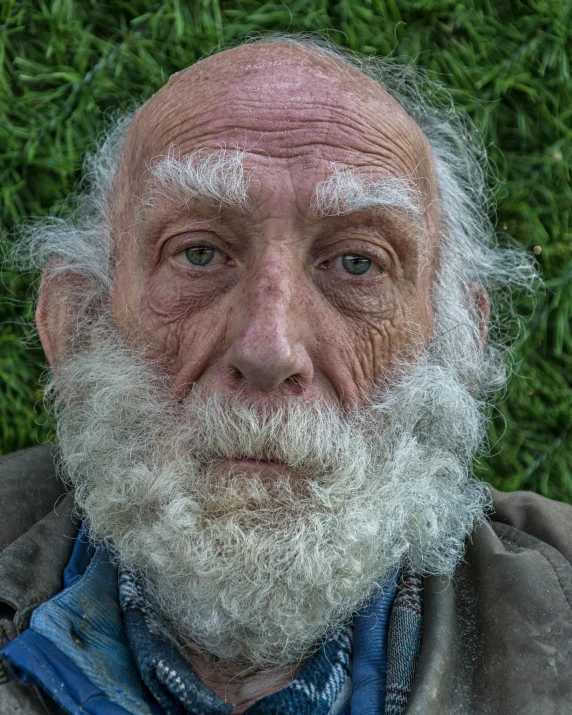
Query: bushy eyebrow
216, 178
344, 191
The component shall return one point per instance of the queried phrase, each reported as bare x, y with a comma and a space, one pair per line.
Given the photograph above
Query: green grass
66, 65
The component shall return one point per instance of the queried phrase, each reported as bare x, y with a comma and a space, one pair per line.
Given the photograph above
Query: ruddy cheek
187, 324
186, 345
360, 352
376, 353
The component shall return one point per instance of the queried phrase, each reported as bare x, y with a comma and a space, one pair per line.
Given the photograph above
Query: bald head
285, 103
274, 97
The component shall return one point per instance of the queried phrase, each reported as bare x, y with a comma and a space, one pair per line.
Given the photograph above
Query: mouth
261, 467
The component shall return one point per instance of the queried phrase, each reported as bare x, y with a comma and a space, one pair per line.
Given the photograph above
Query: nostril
235, 374
295, 381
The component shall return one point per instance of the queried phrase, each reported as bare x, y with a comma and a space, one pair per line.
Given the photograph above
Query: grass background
67, 64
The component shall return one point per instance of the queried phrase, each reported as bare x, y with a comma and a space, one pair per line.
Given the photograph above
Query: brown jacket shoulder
497, 638
36, 539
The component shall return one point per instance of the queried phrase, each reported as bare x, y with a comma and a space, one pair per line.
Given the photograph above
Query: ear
56, 311
480, 300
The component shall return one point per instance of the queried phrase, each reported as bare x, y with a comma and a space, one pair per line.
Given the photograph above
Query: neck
240, 685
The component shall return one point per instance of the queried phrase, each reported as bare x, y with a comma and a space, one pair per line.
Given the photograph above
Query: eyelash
327, 264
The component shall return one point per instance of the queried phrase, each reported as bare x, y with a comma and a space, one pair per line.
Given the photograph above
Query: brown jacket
497, 638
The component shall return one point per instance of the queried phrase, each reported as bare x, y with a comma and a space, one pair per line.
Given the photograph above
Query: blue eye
200, 255
356, 265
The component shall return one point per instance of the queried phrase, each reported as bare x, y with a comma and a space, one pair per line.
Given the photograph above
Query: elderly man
272, 336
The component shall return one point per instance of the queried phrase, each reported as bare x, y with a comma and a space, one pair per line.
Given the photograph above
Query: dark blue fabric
82, 627
80, 558
404, 642
316, 687
168, 675
369, 672
34, 659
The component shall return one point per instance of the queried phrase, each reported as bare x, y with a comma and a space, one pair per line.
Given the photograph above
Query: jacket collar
31, 567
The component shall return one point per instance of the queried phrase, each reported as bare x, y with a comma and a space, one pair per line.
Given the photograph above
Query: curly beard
254, 570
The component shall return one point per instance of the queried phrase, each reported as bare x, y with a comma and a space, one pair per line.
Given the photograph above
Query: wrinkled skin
275, 314
279, 314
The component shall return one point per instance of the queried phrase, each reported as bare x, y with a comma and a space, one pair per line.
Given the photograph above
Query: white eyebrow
215, 177
344, 192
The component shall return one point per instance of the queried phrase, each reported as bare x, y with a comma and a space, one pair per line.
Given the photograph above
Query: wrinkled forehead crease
220, 178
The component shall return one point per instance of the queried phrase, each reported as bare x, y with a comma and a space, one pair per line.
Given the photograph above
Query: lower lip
254, 466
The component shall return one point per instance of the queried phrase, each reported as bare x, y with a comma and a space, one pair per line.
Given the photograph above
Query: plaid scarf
403, 643
322, 686
175, 685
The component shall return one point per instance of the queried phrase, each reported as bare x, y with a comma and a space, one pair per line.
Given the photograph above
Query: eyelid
379, 258
373, 269
355, 246
187, 236
179, 244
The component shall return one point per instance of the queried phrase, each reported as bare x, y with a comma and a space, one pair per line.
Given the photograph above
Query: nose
268, 332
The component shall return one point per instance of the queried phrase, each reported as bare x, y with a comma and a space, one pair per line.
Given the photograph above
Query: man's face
220, 424
273, 297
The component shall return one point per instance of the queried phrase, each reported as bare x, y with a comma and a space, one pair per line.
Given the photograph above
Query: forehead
287, 107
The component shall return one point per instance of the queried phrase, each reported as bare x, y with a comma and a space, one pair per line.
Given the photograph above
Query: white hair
216, 177
219, 178
344, 192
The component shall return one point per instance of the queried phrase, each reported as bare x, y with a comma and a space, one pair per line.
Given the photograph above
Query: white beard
253, 570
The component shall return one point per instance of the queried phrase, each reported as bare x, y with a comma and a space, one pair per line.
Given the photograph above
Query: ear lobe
56, 311
480, 300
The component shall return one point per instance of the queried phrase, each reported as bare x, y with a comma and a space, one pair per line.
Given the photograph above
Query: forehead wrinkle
297, 143
269, 111
279, 125
252, 102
